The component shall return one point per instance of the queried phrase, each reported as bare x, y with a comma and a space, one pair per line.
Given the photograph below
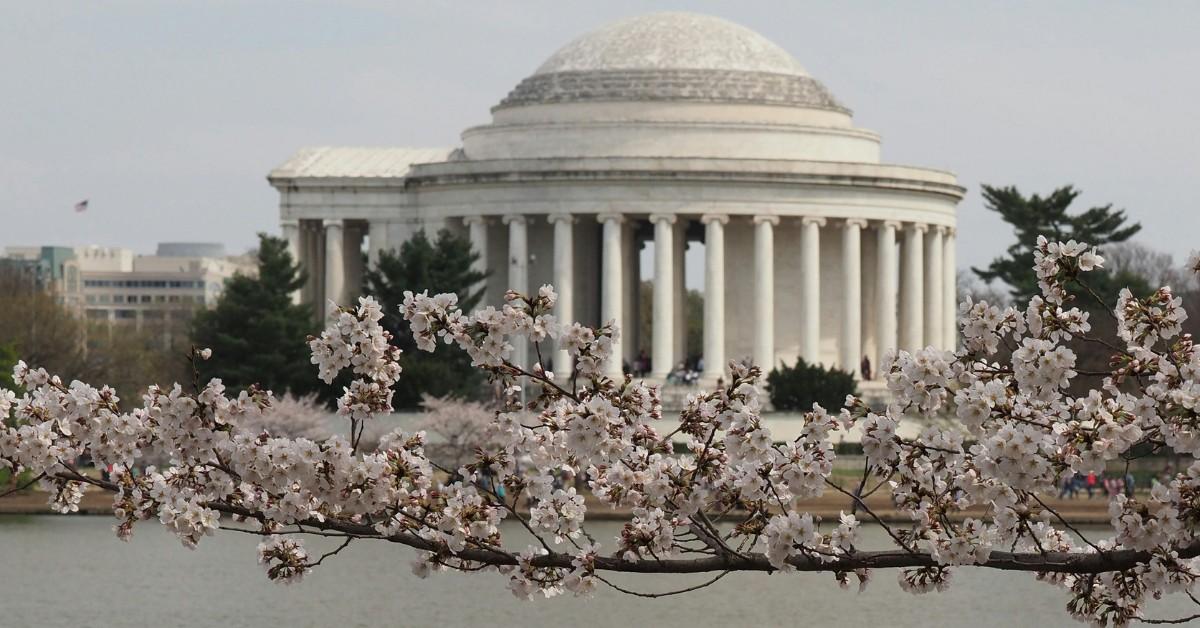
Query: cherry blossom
717, 493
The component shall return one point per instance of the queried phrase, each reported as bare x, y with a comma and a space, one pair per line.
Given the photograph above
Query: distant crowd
1107, 484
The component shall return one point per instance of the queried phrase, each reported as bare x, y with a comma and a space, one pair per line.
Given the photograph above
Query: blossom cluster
719, 490
357, 341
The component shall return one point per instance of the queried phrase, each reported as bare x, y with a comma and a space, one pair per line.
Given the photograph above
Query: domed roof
672, 41
672, 57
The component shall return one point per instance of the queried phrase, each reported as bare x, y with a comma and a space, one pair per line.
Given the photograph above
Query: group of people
1106, 484
687, 372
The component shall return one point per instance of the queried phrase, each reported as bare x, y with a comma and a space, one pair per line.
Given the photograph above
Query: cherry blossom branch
1050, 561
1067, 524
1019, 432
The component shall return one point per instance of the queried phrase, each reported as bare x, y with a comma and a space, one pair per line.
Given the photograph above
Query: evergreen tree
441, 266
797, 388
1036, 215
257, 335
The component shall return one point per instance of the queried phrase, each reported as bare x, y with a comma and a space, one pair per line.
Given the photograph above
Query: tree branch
1056, 562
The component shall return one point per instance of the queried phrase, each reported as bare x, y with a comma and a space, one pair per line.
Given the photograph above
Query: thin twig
341, 547
1065, 523
668, 593
1181, 620
870, 512
861, 484
24, 486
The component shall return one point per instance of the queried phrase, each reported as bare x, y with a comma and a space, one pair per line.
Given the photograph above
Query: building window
126, 314
91, 298
146, 298
97, 314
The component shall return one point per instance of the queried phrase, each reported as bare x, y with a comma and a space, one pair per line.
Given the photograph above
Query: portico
813, 247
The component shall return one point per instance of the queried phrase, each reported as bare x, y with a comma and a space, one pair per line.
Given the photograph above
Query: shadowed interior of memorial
671, 129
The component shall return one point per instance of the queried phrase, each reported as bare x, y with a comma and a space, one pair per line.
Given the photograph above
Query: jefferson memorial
664, 131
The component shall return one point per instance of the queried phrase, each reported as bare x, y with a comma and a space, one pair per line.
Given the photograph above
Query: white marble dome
672, 41
672, 58
671, 85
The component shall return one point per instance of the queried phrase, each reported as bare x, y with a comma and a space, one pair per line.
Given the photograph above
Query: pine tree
442, 266
1036, 215
797, 388
257, 335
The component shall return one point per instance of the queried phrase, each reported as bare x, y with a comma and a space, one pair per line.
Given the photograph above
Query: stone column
518, 272
764, 291
810, 288
318, 267
612, 283
335, 266
912, 299
662, 357
295, 247
933, 288
885, 288
564, 284
352, 250
433, 225
680, 287
401, 231
852, 295
714, 296
377, 242
477, 227
631, 271
308, 260
949, 292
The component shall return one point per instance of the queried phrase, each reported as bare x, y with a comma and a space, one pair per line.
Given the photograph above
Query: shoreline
1080, 511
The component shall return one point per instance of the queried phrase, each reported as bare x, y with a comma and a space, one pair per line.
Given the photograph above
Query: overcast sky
167, 116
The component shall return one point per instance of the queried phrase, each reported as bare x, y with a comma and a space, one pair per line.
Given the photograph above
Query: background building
661, 131
48, 268
153, 292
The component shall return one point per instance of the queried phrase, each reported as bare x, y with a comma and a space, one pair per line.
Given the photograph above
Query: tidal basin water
72, 572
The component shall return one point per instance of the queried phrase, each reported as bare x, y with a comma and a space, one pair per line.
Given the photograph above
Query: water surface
72, 572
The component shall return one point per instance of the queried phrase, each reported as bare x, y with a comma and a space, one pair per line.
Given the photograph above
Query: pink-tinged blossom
1016, 431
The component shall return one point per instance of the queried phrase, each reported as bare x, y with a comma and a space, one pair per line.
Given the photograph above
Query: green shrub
8, 482
797, 388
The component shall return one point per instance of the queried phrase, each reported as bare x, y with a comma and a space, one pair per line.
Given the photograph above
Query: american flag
81, 205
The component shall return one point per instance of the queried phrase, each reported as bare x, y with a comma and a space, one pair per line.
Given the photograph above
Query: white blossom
1016, 428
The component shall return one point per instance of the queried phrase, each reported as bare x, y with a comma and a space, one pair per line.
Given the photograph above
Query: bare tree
1156, 267
457, 428
42, 330
290, 416
970, 285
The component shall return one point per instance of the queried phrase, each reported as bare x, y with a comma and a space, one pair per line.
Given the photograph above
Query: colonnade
330, 252
918, 256
925, 312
